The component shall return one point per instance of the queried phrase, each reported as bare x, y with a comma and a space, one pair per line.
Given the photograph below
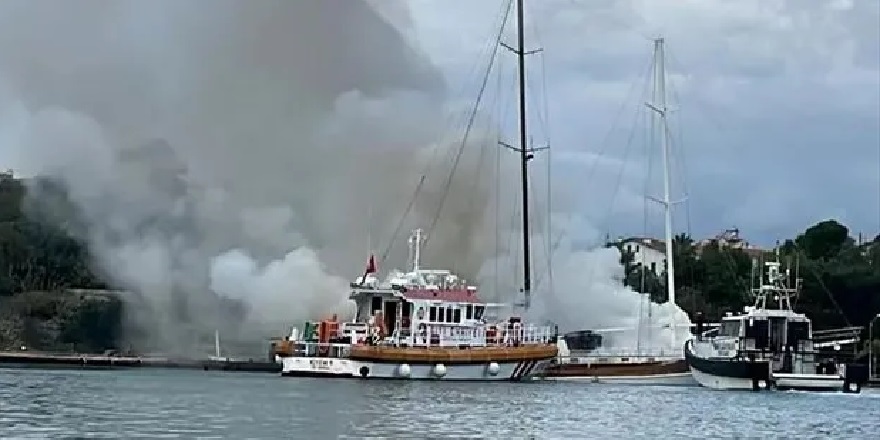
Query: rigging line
619, 183
617, 21
471, 119
708, 115
605, 144
676, 97
822, 284
729, 262
500, 20
643, 78
543, 119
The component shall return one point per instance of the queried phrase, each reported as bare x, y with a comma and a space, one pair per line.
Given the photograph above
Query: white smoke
247, 151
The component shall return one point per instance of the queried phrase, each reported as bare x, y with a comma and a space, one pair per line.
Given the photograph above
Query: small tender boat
422, 324
769, 347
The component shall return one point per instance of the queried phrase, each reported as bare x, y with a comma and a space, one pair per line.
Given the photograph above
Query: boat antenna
526, 152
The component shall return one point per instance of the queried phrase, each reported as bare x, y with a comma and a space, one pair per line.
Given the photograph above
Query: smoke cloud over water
245, 155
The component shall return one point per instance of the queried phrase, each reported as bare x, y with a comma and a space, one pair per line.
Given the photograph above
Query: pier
95, 361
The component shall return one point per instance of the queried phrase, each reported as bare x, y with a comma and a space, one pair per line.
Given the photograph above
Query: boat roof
752, 312
445, 295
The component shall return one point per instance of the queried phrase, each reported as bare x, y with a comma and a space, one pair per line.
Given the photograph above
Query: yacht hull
511, 371
727, 373
739, 374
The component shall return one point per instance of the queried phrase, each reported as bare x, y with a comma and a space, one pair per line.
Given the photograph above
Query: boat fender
493, 368
364, 371
852, 387
404, 370
439, 370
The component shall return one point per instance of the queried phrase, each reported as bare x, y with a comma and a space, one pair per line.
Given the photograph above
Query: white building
647, 252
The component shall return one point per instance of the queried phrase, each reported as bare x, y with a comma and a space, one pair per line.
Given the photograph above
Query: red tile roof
454, 295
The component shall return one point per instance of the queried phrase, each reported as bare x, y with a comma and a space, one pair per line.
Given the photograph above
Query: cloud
760, 86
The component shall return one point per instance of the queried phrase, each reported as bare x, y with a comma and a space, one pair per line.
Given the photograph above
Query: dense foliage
840, 287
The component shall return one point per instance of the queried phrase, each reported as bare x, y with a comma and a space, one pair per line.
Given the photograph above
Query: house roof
650, 243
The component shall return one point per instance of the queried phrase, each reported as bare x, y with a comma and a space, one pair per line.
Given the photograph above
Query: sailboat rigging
621, 365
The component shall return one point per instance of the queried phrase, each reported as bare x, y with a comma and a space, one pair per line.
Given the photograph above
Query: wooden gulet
634, 366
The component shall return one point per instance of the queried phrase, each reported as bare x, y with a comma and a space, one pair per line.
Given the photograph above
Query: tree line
840, 276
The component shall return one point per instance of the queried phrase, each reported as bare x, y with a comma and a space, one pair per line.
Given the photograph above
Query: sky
776, 106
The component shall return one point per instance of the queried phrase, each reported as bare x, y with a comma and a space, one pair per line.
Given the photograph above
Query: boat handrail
627, 353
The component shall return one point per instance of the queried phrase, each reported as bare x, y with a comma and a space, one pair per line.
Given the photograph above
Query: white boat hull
347, 368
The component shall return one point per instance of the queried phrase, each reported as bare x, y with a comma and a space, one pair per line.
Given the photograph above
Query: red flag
371, 265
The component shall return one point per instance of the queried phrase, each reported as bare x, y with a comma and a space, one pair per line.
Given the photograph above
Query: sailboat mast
660, 103
524, 151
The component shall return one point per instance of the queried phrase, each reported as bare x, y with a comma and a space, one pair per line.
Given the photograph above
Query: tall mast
659, 107
524, 151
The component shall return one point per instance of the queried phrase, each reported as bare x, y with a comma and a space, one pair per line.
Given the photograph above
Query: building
647, 252
730, 239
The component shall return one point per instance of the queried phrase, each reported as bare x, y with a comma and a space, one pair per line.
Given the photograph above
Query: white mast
415, 242
659, 107
217, 343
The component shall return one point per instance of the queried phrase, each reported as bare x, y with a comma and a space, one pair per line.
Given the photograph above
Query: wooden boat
644, 365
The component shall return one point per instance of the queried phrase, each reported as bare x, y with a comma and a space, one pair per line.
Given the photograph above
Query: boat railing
479, 336
624, 354
321, 349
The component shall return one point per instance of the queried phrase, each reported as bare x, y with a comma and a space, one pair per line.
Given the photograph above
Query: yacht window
441, 314
729, 328
449, 314
478, 312
469, 312
432, 314
456, 316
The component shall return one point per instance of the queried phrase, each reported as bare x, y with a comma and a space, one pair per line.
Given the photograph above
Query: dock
94, 361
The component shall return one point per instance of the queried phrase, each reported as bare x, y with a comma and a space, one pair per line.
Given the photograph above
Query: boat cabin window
757, 329
478, 312
729, 328
449, 314
469, 312
432, 314
376, 304
797, 331
456, 316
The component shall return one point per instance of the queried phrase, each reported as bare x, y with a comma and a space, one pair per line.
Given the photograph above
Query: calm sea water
144, 403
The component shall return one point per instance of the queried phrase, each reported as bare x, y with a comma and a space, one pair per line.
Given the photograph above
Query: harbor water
156, 403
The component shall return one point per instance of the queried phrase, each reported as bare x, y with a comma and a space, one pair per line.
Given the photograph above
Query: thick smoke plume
242, 150
235, 163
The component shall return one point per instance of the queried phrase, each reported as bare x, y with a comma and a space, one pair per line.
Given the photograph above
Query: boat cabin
425, 307
764, 330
